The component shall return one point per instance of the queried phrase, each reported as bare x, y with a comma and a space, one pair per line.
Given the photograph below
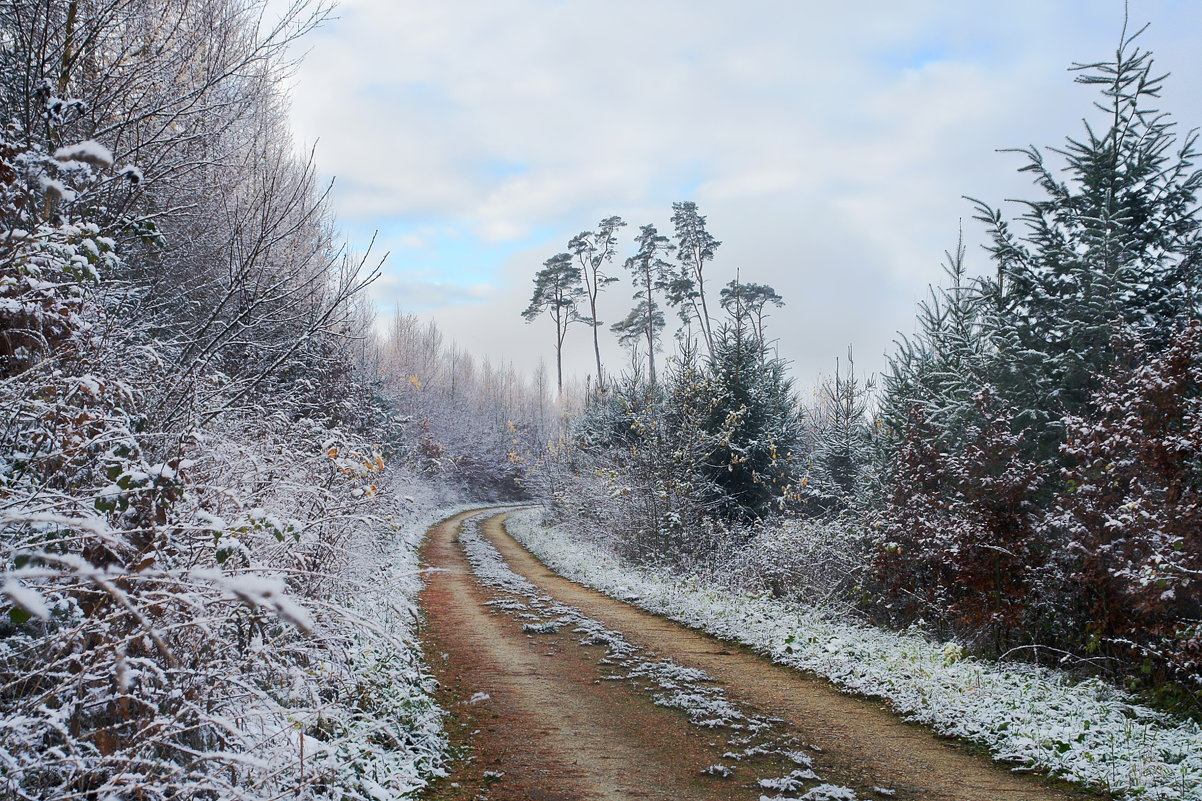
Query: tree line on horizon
567, 288
209, 449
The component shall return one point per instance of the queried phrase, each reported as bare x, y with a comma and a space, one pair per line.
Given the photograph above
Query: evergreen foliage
1118, 239
695, 247
751, 299
652, 276
840, 439
945, 364
593, 250
1026, 480
1038, 466
642, 326
745, 404
557, 290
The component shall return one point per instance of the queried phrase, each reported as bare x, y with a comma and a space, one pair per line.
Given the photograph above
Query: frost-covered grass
383, 738
387, 740
1037, 719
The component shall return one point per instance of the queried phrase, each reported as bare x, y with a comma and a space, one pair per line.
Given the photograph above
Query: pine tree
694, 246
750, 299
593, 250
1040, 486
642, 326
651, 276
556, 293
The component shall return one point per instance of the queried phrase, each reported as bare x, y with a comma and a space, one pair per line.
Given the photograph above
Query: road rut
554, 725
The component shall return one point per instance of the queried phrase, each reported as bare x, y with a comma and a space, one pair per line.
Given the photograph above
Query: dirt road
540, 712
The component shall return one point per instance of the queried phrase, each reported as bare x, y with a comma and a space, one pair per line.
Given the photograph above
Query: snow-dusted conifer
1118, 239
752, 419
839, 438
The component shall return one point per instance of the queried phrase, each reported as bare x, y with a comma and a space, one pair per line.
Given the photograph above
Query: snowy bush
820, 560
208, 565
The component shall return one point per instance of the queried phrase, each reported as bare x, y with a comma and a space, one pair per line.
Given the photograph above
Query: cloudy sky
828, 143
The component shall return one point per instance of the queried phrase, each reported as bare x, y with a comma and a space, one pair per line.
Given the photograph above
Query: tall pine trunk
650, 331
592, 303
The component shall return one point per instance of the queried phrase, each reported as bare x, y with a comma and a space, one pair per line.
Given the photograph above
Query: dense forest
205, 446
1023, 477
211, 446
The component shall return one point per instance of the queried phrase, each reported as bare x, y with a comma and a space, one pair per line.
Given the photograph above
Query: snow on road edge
395, 744
1039, 719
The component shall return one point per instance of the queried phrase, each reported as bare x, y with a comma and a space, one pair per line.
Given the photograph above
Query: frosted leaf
56, 190
211, 521
261, 591
132, 174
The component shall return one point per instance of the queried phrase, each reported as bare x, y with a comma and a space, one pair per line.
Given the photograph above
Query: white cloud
829, 144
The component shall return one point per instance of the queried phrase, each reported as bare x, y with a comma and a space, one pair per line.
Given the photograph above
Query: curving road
537, 715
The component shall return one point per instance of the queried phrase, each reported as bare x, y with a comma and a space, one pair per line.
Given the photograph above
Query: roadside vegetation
216, 462
1022, 480
210, 498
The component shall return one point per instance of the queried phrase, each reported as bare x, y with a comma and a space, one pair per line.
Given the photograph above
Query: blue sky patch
915, 57
435, 252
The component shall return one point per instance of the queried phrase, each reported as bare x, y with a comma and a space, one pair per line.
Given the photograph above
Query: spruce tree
1118, 238
750, 415
840, 440
942, 367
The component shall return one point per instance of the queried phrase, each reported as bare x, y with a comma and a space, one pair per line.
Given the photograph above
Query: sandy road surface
557, 725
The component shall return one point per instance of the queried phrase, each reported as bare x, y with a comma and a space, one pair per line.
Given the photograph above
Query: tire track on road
557, 729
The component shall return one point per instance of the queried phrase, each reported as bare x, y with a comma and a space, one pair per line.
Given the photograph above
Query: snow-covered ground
1035, 718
